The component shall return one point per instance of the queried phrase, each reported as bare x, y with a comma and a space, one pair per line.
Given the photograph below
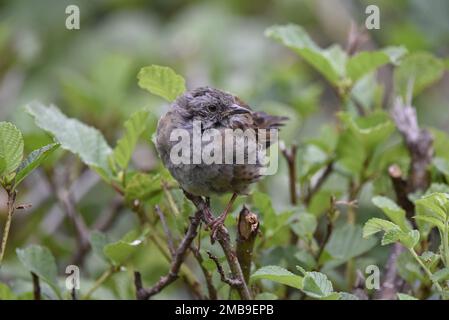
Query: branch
326, 173
178, 259
11, 207
419, 144
233, 283
68, 203
36, 287
290, 156
213, 295
247, 230
167, 232
224, 241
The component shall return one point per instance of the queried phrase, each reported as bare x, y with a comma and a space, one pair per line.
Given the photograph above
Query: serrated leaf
403, 296
433, 208
40, 260
365, 62
316, 285
431, 220
375, 225
421, 68
392, 211
278, 274
119, 252
134, 127
330, 63
408, 239
85, 141
346, 242
11, 148
33, 161
371, 129
161, 81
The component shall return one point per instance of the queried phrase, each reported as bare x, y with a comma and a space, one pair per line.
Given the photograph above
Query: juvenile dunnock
213, 109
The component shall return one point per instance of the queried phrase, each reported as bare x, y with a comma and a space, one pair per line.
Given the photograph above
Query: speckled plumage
218, 110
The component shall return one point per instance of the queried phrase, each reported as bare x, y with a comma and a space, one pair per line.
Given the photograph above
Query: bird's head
210, 106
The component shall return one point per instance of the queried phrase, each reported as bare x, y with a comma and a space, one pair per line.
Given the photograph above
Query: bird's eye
212, 108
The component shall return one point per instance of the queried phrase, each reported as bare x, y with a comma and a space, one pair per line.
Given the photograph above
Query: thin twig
234, 283
167, 232
326, 173
138, 284
213, 295
36, 287
104, 276
290, 157
11, 207
178, 259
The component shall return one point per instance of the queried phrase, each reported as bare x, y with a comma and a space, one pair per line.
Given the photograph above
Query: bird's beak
236, 109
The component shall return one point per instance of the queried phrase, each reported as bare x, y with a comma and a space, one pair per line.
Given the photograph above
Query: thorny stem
11, 207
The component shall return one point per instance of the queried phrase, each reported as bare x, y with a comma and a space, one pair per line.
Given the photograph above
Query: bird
207, 109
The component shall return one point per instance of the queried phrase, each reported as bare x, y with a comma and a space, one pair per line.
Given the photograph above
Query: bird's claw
215, 227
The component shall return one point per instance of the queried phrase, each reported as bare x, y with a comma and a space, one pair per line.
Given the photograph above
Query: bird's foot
216, 226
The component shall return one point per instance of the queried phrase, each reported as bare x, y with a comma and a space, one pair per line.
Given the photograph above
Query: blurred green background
91, 73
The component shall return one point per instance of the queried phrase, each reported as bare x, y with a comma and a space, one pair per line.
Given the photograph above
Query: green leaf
408, 239
392, 211
266, 296
316, 285
441, 275
134, 126
403, 296
431, 220
375, 225
371, 129
442, 165
143, 187
351, 153
346, 242
40, 261
87, 142
98, 241
364, 63
33, 161
330, 63
305, 225
278, 274
421, 68
6, 293
161, 81
121, 251
11, 148
433, 208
